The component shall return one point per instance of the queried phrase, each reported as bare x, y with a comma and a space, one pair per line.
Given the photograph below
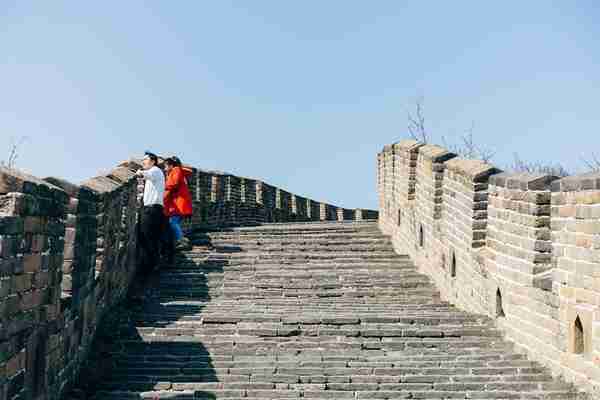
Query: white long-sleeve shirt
154, 187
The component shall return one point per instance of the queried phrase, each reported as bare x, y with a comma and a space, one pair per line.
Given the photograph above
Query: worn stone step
350, 248
315, 311
318, 391
450, 325
316, 330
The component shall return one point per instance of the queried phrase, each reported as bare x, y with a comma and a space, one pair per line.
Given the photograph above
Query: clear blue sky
300, 94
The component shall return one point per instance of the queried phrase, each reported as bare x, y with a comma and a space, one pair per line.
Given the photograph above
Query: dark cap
174, 160
151, 156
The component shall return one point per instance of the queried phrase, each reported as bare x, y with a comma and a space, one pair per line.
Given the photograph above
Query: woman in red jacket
177, 198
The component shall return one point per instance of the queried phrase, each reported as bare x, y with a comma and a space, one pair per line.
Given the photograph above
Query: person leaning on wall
152, 216
177, 199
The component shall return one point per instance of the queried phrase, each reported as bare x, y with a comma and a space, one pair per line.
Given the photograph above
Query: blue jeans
175, 222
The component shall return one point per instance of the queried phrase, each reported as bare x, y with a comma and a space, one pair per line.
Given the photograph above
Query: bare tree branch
468, 146
416, 122
519, 165
13, 153
592, 162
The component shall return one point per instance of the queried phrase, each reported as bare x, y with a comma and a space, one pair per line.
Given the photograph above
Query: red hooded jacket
177, 200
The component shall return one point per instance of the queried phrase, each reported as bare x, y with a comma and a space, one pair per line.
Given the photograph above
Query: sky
300, 94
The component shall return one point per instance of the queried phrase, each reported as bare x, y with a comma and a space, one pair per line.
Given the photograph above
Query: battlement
68, 256
521, 248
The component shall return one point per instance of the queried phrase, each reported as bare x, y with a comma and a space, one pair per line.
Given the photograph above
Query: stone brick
11, 225
15, 364
32, 262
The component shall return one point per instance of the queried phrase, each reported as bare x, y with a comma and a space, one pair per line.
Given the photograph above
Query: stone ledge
73, 190
101, 184
587, 181
408, 145
523, 181
436, 154
121, 174
12, 180
133, 164
476, 170
70, 188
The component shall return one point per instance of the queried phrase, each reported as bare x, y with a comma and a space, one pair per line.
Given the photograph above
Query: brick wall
68, 255
523, 249
32, 233
575, 225
53, 290
226, 200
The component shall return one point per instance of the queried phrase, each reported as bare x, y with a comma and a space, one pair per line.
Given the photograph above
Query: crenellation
315, 210
301, 208
329, 212
284, 211
234, 189
521, 248
68, 257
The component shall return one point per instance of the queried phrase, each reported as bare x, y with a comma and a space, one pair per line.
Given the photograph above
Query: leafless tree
519, 165
592, 162
467, 146
13, 152
416, 122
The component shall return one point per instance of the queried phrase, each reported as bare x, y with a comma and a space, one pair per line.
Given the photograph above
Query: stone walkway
307, 310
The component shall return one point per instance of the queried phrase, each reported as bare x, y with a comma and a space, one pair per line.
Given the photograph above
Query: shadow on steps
138, 351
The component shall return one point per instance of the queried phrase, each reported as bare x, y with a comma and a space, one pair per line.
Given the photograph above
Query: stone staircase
306, 310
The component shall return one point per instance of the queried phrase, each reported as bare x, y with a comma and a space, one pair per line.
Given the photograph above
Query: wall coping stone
409, 145
587, 181
70, 188
73, 190
523, 180
101, 184
476, 170
121, 174
435, 153
13, 180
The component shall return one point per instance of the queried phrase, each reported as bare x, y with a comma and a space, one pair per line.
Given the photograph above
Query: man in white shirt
153, 220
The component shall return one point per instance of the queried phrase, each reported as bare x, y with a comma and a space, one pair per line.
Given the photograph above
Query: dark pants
168, 243
152, 226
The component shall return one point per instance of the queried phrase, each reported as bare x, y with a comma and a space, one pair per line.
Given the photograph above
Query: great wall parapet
68, 256
521, 248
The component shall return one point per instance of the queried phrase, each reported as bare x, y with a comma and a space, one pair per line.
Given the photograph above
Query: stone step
284, 260
251, 345
314, 311
350, 320
289, 269
291, 274
316, 330
379, 306
199, 277
231, 247
218, 390
422, 296
296, 285
296, 229
149, 365
233, 244
225, 315
290, 234
326, 239
368, 356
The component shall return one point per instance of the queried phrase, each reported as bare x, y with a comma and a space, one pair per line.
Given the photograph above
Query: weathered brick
32, 262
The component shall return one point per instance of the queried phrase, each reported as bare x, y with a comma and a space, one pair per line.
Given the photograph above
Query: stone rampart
68, 255
521, 248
